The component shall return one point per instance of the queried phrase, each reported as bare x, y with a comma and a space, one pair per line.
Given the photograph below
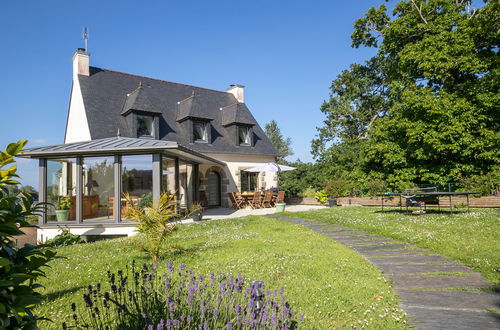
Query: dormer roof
193, 107
237, 113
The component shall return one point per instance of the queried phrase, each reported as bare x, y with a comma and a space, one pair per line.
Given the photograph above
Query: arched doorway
214, 189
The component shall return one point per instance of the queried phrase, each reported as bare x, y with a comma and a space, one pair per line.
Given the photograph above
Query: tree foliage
425, 109
19, 266
282, 145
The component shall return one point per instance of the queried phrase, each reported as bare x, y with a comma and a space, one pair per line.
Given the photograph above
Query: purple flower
182, 267
301, 317
171, 306
150, 327
237, 309
229, 325
170, 266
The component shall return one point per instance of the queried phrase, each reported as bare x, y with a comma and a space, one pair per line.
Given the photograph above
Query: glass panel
98, 188
185, 184
144, 126
244, 136
200, 131
168, 175
61, 187
137, 181
249, 181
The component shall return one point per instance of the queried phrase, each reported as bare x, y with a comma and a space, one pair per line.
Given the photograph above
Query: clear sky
286, 53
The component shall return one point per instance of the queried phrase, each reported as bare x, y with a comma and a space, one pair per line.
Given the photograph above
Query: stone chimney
81, 63
238, 91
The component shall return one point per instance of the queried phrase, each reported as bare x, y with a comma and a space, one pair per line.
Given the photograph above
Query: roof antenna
85, 36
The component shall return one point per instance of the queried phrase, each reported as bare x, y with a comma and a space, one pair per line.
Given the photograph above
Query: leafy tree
280, 143
19, 266
426, 107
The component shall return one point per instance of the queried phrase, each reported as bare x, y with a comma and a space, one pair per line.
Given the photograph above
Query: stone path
435, 292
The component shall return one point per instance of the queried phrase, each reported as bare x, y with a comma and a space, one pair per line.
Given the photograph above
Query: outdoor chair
239, 200
256, 200
268, 198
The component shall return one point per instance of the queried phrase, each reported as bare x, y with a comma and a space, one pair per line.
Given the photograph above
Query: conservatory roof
119, 146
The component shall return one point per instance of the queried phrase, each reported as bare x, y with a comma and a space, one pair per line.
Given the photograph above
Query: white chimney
81, 63
238, 91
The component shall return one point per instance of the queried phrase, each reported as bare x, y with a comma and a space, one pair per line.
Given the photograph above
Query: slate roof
108, 94
193, 107
116, 145
237, 113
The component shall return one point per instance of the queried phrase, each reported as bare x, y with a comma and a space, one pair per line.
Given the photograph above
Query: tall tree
281, 144
430, 111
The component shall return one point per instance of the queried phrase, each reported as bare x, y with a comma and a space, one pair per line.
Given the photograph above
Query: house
127, 134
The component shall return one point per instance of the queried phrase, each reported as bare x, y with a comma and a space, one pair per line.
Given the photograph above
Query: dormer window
200, 131
145, 127
245, 135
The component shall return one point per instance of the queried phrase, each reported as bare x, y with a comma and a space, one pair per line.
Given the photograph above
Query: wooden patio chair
232, 199
256, 200
239, 200
268, 198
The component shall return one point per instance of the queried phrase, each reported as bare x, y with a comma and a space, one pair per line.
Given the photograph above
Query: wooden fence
444, 201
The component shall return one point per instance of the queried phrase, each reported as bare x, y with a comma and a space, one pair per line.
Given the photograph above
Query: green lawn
471, 238
333, 286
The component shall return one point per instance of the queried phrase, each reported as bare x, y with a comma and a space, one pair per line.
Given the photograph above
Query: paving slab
408, 259
365, 242
463, 300
392, 253
425, 318
424, 268
382, 247
438, 281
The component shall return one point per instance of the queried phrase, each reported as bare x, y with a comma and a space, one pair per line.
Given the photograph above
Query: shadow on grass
59, 294
427, 211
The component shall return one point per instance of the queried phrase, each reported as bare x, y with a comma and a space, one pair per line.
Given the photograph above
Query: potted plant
62, 208
196, 211
280, 203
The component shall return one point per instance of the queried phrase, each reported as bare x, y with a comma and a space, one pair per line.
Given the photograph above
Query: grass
470, 238
332, 285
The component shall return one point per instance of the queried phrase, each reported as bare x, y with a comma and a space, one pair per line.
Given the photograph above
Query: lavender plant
142, 298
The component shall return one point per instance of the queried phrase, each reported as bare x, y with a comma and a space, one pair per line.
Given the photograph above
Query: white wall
44, 234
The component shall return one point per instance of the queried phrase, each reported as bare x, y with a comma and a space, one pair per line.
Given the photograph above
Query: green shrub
376, 186
64, 238
309, 193
483, 184
321, 196
20, 267
337, 188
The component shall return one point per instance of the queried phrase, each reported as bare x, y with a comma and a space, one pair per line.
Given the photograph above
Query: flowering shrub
179, 299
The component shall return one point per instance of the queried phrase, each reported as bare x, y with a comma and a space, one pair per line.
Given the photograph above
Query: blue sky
286, 53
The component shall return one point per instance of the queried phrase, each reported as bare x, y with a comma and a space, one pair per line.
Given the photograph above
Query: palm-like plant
156, 222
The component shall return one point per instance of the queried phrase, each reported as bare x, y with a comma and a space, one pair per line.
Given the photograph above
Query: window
61, 183
248, 181
98, 187
145, 126
244, 136
200, 131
